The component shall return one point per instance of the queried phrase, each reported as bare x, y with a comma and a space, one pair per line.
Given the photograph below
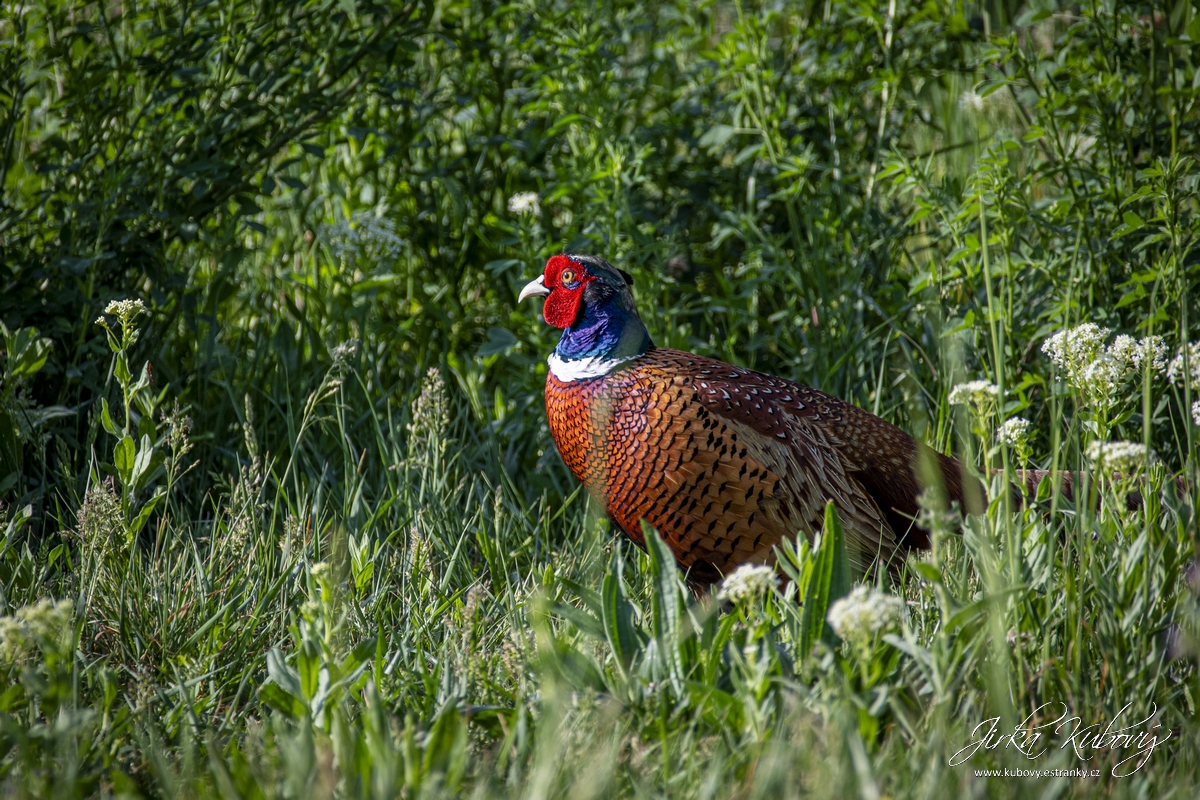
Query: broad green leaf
717, 136
282, 674
121, 370
830, 580
581, 619
124, 457
927, 571
146, 510
446, 747
1193, 32
273, 695
26, 352
618, 616
667, 604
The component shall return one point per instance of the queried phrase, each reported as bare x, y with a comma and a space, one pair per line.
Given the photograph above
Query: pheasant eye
567, 276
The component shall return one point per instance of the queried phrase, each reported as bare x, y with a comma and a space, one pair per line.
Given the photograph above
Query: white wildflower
44, 624
1154, 350
1119, 457
125, 309
1074, 350
14, 638
1102, 378
525, 203
46, 619
126, 312
1131, 353
974, 392
1098, 372
1014, 432
364, 234
1177, 369
978, 394
1196, 412
863, 613
747, 582
1124, 349
970, 100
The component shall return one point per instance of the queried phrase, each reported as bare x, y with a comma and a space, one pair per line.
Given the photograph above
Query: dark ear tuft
628, 278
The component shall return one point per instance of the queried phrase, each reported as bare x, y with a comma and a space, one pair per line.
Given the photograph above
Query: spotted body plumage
725, 462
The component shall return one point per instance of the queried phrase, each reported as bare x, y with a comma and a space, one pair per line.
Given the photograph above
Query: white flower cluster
124, 310
1014, 432
1073, 350
980, 394
43, 624
1121, 457
1196, 412
865, 612
1177, 369
364, 234
974, 392
969, 100
525, 203
747, 582
1097, 371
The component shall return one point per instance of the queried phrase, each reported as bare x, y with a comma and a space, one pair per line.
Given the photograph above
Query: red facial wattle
566, 296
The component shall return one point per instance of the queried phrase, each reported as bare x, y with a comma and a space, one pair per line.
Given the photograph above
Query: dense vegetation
282, 514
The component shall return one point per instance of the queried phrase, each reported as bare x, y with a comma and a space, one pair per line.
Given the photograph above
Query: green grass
293, 560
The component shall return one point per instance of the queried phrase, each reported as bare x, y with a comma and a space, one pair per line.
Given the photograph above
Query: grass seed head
99, 524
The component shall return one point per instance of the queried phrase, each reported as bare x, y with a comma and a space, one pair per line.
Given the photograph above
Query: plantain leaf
124, 456
830, 580
619, 629
667, 606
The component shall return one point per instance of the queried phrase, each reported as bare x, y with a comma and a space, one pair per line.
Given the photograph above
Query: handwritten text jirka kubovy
1132, 741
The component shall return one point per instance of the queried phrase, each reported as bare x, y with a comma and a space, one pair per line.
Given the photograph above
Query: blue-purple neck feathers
605, 332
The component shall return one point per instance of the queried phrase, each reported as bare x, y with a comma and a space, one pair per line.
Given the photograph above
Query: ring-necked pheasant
723, 461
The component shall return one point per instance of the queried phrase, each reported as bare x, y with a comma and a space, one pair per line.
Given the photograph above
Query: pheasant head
591, 300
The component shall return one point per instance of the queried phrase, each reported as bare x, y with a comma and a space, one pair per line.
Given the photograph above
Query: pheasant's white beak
535, 288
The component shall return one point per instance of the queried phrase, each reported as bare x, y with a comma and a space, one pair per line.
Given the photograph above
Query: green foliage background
878, 199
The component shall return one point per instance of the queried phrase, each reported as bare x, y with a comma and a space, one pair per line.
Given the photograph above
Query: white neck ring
584, 368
